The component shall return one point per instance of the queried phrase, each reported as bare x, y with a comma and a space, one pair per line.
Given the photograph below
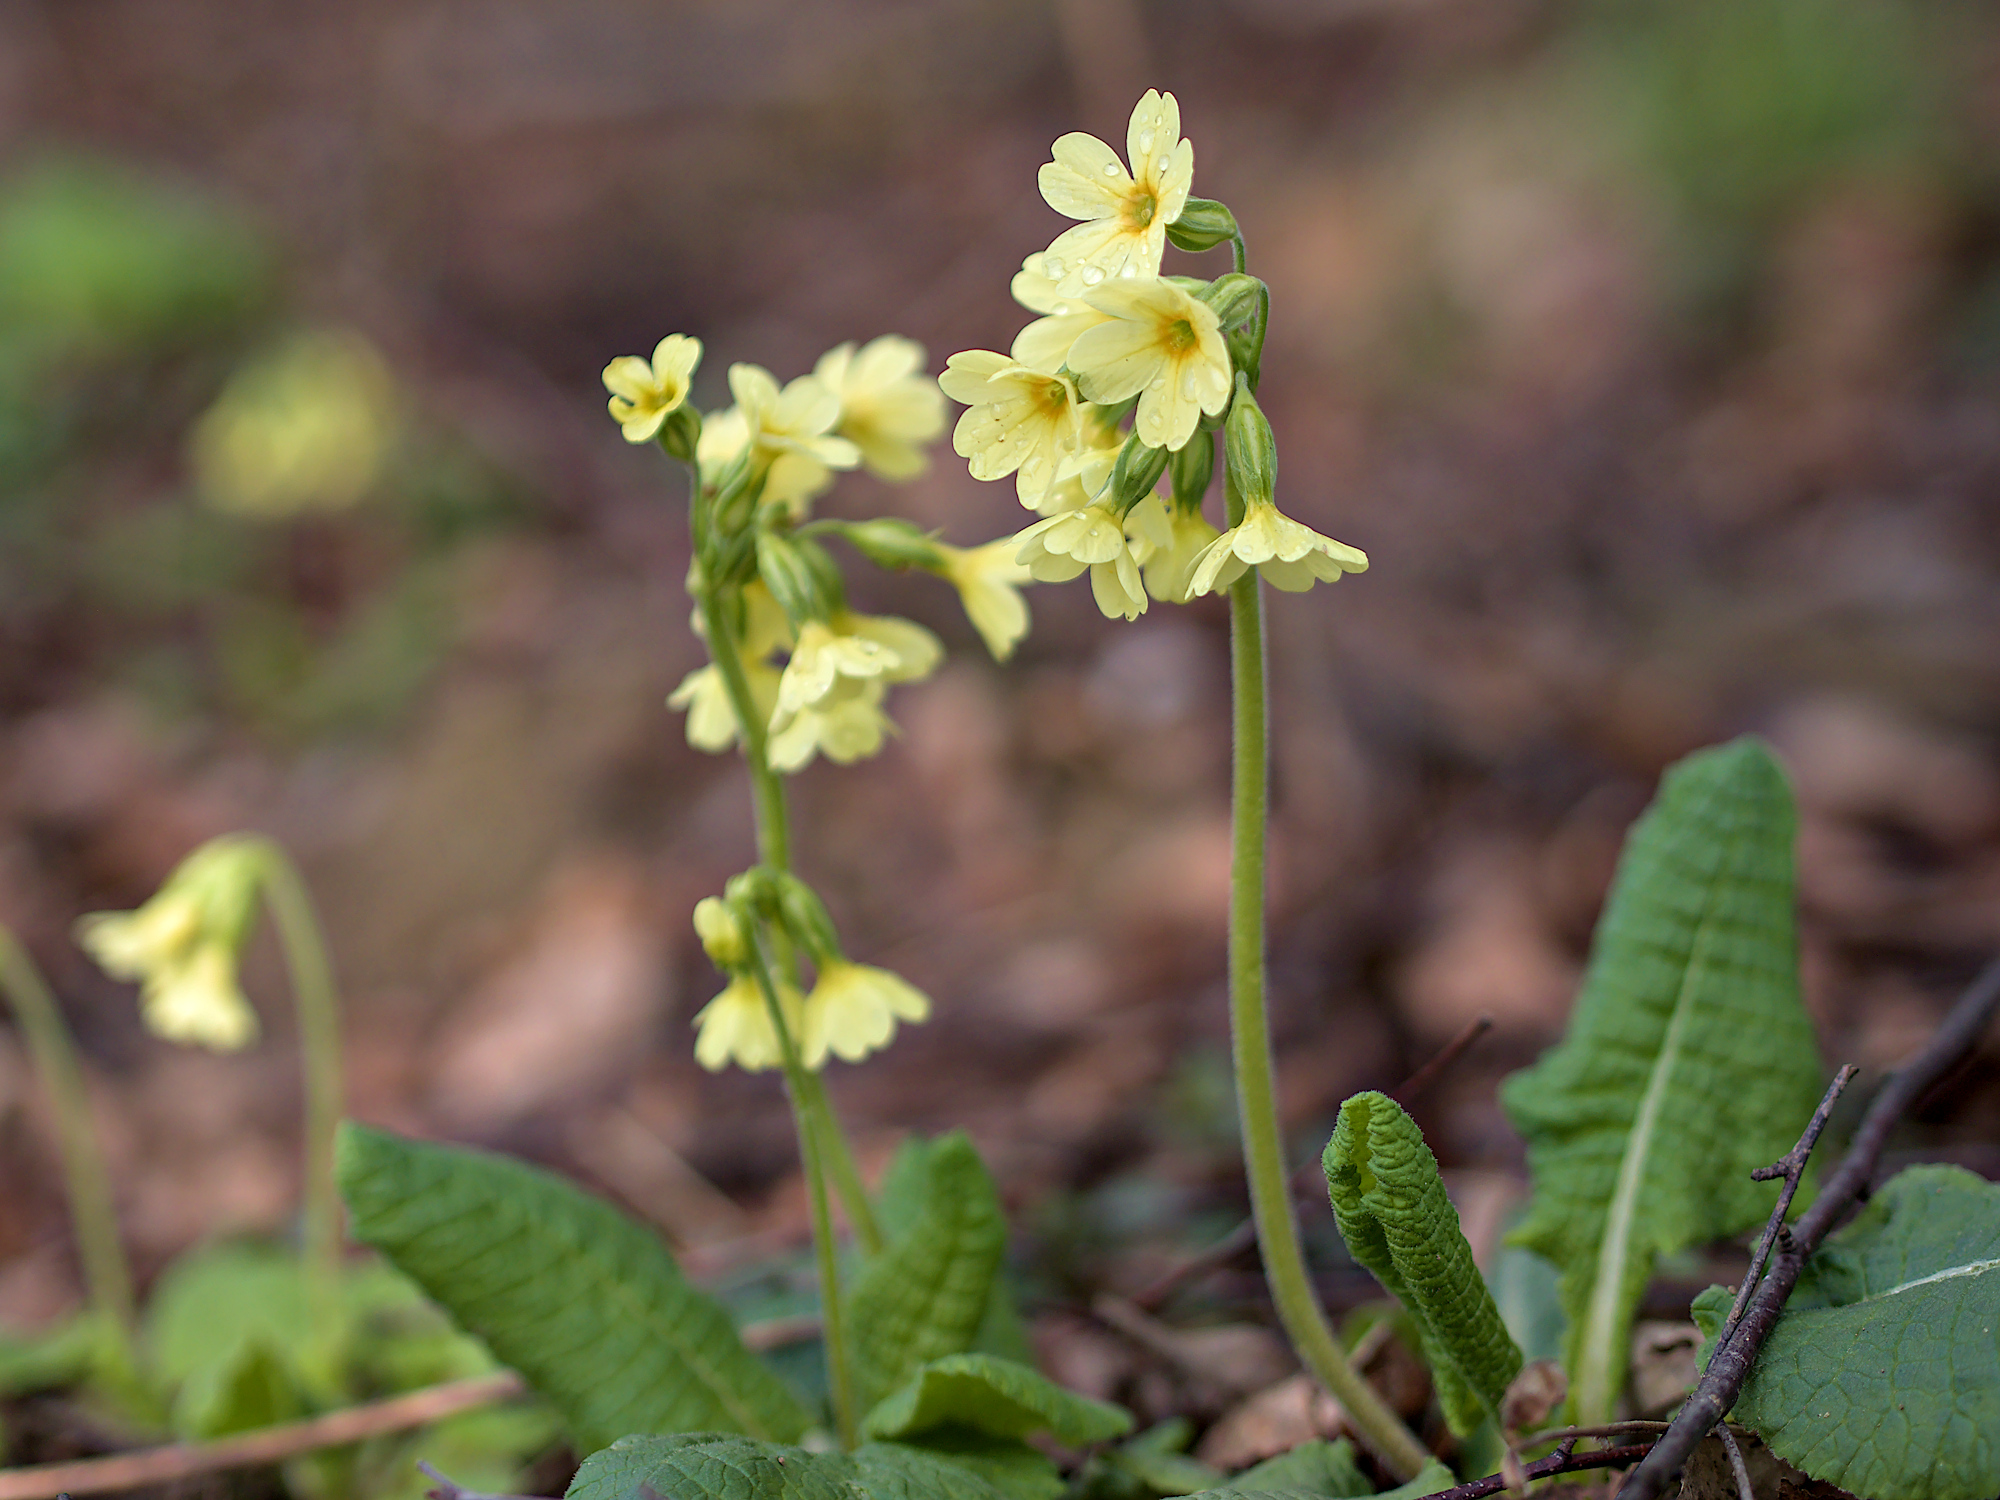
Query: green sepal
1190, 467
994, 1396
1138, 469
1233, 297
1249, 449
799, 574
680, 434
1399, 1223
1203, 224
585, 1303
890, 542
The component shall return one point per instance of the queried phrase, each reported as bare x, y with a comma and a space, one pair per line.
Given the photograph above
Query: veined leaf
1008, 1464
994, 1396
1399, 1223
1883, 1374
925, 1295
1434, 1478
1689, 1060
1316, 1467
586, 1304
714, 1466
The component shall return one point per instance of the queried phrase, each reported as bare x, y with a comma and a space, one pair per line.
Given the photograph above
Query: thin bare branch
1744, 1491
1451, 1052
1729, 1364
268, 1445
447, 1488
1565, 1460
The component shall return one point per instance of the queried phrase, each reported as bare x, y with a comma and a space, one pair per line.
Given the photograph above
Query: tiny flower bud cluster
1116, 339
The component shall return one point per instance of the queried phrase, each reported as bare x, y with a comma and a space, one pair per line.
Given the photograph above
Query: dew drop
1111, 169
1159, 383
1187, 385
1092, 275
1145, 141
1052, 267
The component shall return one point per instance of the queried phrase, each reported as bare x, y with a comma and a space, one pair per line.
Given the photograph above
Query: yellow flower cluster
1113, 335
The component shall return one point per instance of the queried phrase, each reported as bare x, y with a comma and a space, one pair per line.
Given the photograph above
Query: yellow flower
643, 396
736, 1027
1044, 344
1020, 421
888, 409
789, 431
854, 646
711, 722
1061, 547
181, 947
1170, 566
853, 1009
721, 933
1290, 556
845, 725
1125, 214
988, 580
1161, 345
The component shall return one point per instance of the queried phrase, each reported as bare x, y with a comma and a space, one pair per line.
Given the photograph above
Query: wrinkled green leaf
586, 1304
248, 1387
926, 1294
1689, 1060
1010, 1466
1883, 1374
1399, 1223
994, 1396
714, 1466
1316, 1467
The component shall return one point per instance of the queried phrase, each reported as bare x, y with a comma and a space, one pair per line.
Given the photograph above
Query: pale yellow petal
1085, 180
1116, 359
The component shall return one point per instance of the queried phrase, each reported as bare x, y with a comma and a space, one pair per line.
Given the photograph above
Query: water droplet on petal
1111, 169
1159, 383
1092, 275
1187, 385
1145, 140
1052, 266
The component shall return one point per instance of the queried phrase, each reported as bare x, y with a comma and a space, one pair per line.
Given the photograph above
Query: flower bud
681, 432
799, 574
1251, 451
1192, 465
1132, 479
1233, 297
893, 543
721, 933
805, 918
1203, 224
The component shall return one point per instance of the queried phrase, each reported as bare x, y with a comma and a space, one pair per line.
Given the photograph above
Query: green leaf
1528, 1292
1883, 1374
1316, 1467
712, 1466
248, 1387
1399, 1223
1009, 1465
899, 1200
586, 1304
926, 1295
1689, 1060
993, 1396
1434, 1478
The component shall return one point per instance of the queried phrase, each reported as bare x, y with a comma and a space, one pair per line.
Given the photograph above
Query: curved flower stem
774, 849
106, 1273
317, 1002
1250, 1036
833, 1322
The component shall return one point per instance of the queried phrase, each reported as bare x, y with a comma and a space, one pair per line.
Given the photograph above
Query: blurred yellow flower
988, 580
711, 723
1044, 344
888, 408
790, 434
306, 428
721, 933
1019, 421
1162, 346
854, 646
1290, 556
1125, 214
181, 947
845, 725
853, 1010
1062, 547
735, 1027
644, 395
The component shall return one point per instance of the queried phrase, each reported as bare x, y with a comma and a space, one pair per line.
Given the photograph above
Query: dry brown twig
268, 1445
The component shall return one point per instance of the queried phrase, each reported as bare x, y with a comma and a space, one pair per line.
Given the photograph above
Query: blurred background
1651, 352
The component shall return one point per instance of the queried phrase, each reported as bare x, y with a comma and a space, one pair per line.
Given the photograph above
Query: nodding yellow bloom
1044, 343
735, 1027
1290, 556
1061, 547
1161, 345
1019, 421
1170, 565
789, 431
853, 1010
1125, 214
845, 725
888, 409
854, 646
644, 395
988, 580
181, 947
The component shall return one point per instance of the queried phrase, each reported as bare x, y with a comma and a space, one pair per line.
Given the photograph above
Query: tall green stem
1250, 1035
774, 848
833, 1319
317, 1003
106, 1274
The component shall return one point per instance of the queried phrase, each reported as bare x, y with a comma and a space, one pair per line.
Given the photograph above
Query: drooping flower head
1291, 557
644, 395
181, 947
1161, 345
888, 408
1125, 213
853, 1010
1063, 546
846, 724
735, 1027
989, 580
1018, 421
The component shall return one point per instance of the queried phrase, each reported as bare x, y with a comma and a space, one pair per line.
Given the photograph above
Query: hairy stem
107, 1275
1250, 1036
317, 1002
